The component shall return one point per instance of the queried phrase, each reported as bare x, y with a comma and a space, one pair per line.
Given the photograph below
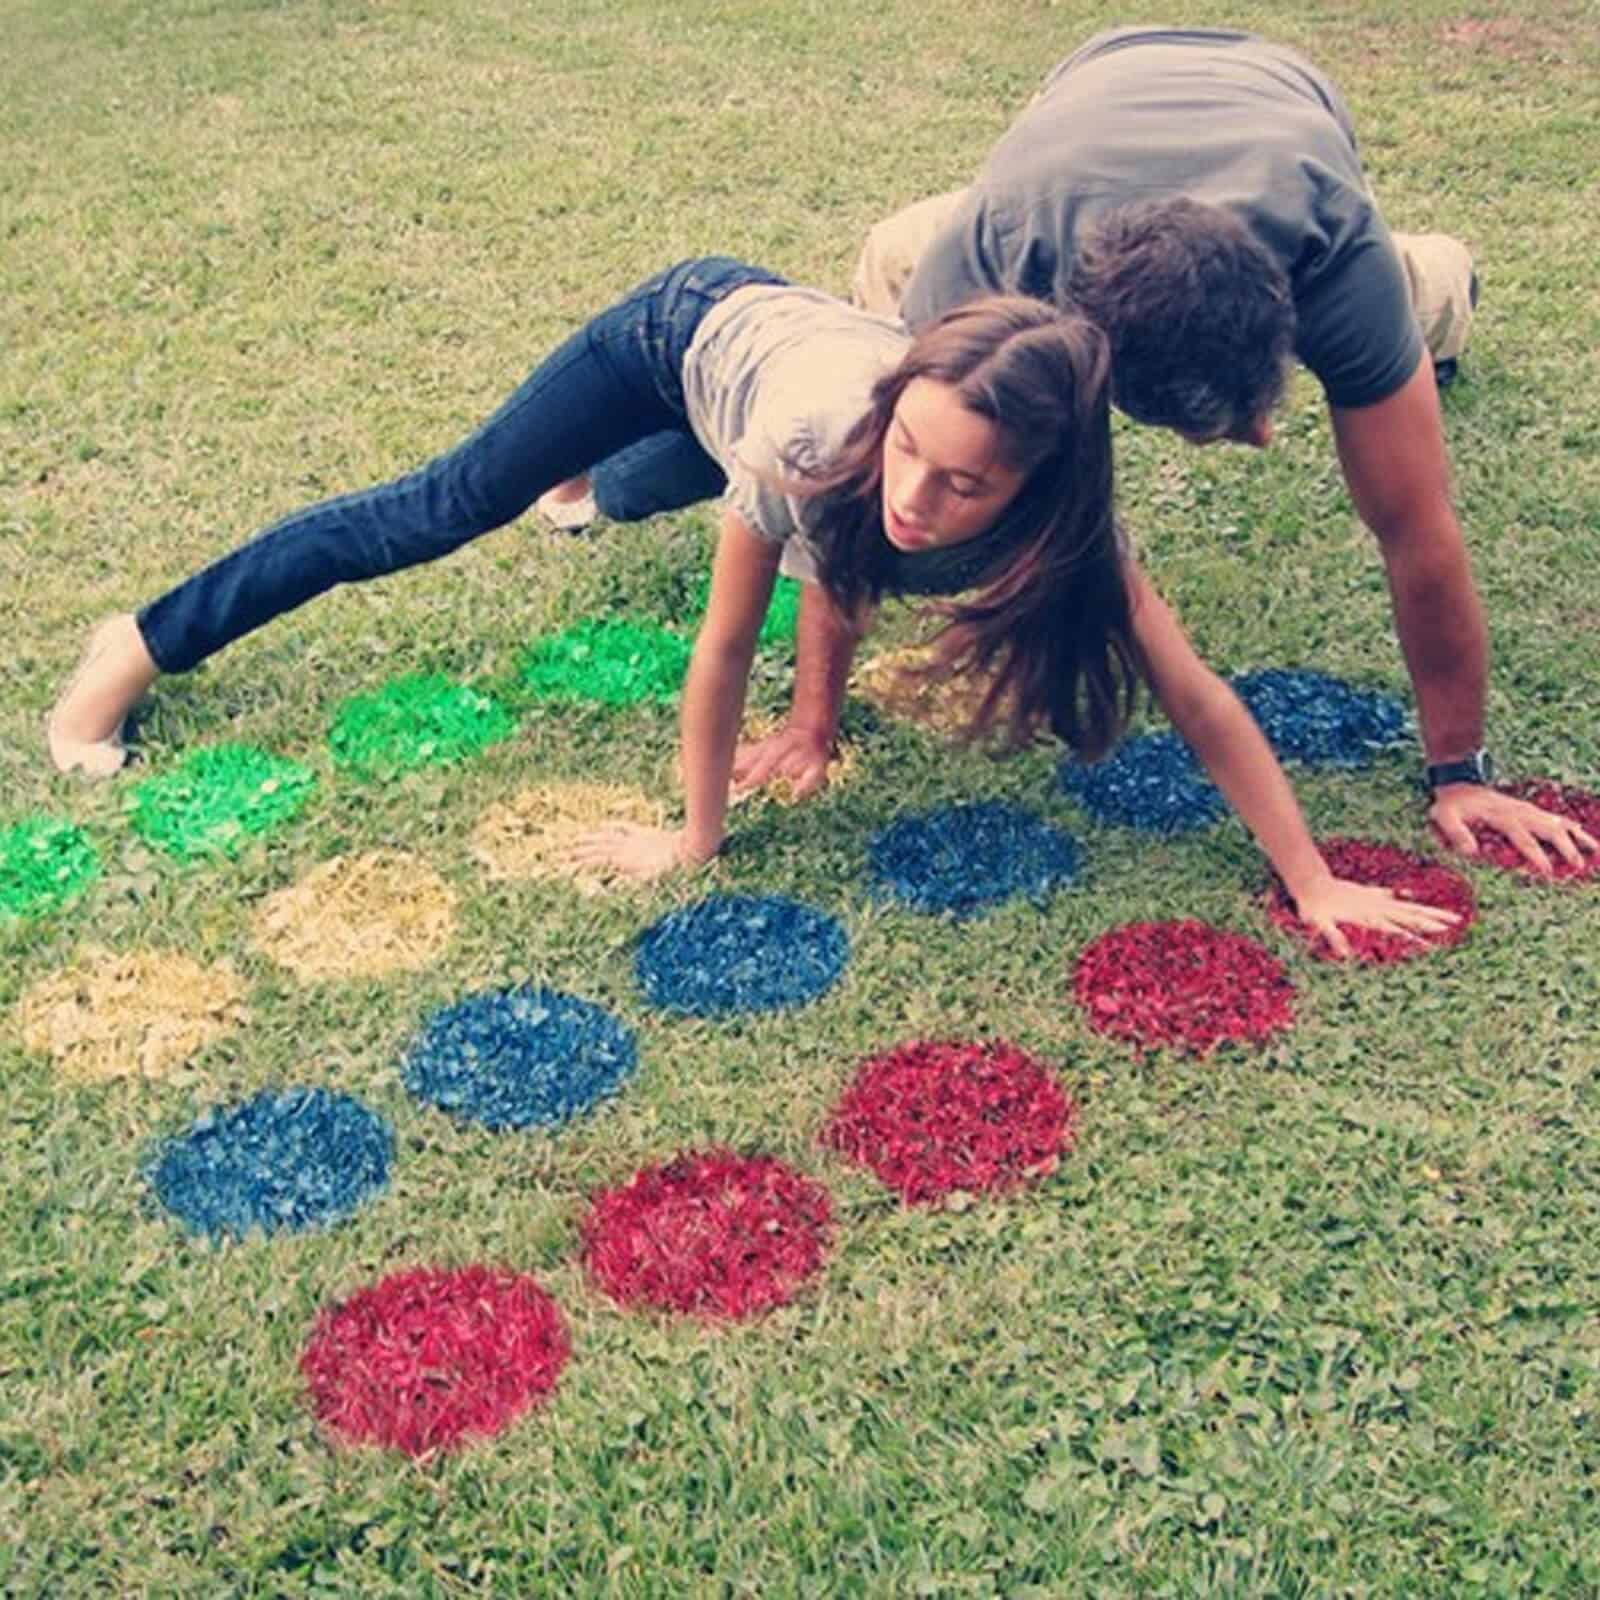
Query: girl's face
945, 476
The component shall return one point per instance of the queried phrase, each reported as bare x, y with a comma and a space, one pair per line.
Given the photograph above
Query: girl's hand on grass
1366, 905
1458, 805
800, 755
635, 850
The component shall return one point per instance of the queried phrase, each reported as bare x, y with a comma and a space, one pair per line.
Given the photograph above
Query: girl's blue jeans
615, 384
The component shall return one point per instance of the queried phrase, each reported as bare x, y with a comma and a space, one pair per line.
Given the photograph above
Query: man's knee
893, 248
1440, 277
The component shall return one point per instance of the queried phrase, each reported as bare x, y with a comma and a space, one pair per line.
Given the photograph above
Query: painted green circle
44, 863
423, 720
613, 663
216, 799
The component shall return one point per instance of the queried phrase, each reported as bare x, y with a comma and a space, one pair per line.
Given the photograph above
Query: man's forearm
825, 645
1395, 465
1439, 620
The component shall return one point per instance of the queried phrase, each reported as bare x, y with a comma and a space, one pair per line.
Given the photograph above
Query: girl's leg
614, 382
664, 472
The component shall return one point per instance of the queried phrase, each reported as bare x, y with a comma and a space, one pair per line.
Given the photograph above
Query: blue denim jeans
665, 472
612, 384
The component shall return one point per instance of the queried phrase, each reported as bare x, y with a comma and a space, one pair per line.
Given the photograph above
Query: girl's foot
569, 506
84, 731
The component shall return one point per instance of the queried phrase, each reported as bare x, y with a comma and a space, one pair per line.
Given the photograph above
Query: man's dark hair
1198, 313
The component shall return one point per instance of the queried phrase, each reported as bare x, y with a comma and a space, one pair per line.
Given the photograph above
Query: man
1197, 193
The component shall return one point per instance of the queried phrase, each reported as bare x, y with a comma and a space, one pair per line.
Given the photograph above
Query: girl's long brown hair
1051, 624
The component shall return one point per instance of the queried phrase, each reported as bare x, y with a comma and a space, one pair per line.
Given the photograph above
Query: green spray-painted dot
420, 721
44, 863
783, 612
616, 663
214, 800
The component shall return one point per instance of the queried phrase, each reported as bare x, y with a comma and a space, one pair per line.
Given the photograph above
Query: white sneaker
569, 516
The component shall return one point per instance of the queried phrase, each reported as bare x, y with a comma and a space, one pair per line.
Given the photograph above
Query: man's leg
1444, 293
892, 250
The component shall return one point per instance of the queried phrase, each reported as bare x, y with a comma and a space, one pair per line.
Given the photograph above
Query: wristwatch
1474, 768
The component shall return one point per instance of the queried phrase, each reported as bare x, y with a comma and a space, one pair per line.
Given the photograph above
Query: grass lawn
1315, 1320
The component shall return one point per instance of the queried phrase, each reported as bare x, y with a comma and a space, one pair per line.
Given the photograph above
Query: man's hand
633, 850
1456, 806
1367, 905
798, 755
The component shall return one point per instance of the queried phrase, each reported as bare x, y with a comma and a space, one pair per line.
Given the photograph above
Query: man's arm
1394, 460
825, 645
1395, 464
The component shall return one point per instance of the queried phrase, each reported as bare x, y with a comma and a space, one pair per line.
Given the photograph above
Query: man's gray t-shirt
1214, 116
774, 379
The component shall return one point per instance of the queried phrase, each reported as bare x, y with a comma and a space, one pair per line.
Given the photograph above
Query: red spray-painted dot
1577, 804
710, 1232
425, 1359
1412, 876
1183, 985
931, 1117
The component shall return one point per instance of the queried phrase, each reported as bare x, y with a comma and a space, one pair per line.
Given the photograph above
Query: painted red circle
422, 1360
710, 1232
1413, 876
1577, 804
932, 1116
1184, 985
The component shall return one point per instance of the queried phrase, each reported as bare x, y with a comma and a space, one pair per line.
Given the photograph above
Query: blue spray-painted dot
965, 859
298, 1158
733, 953
1310, 717
519, 1058
1152, 782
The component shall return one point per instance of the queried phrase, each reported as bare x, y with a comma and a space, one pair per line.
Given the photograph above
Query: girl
975, 457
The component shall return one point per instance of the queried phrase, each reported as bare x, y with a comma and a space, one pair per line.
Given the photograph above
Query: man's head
1198, 314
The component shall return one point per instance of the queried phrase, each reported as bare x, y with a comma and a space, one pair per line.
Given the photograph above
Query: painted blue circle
297, 1158
1310, 717
739, 952
1152, 782
519, 1058
965, 859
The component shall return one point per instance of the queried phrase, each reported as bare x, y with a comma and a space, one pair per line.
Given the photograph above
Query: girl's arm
1215, 723
742, 577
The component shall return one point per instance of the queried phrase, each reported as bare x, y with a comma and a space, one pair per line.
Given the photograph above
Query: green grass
1313, 1323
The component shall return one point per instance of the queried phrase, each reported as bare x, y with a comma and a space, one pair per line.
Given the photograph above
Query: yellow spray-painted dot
891, 682
359, 917
143, 1014
534, 834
